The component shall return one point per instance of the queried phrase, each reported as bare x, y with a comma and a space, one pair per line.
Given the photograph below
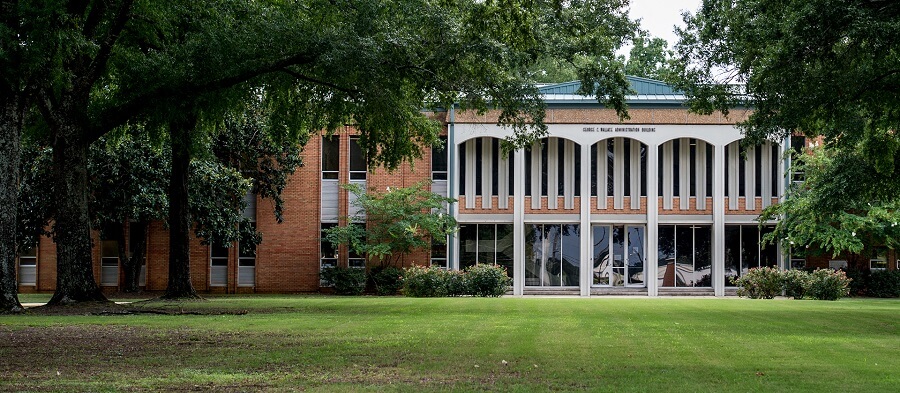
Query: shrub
386, 280
795, 283
487, 280
827, 284
859, 285
455, 283
420, 281
346, 281
759, 283
884, 283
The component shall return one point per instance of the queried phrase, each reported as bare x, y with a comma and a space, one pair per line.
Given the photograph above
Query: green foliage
398, 221
35, 195
129, 179
795, 283
832, 209
387, 280
345, 280
828, 284
759, 283
419, 281
884, 283
481, 280
649, 58
487, 280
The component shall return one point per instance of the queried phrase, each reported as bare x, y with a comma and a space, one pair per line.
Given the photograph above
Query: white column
718, 229
569, 175
487, 172
766, 175
602, 173
667, 174
618, 173
635, 185
586, 232
552, 172
536, 175
650, 266
700, 164
519, 222
470, 173
684, 173
734, 173
503, 180
750, 179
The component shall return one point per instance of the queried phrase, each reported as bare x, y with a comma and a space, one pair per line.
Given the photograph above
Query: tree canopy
827, 69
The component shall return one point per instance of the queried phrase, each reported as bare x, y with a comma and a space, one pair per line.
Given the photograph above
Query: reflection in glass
505, 247
769, 253
468, 245
635, 255
618, 259
684, 259
552, 255
749, 248
666, 256
702, 256
602, 268
571, 254
732, 252
486, 237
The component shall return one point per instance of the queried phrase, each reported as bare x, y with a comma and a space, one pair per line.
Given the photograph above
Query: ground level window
684, 256
109, 263
439, 254
618, 255
486, 243
218, 266
552, 255
744, 252
28, 267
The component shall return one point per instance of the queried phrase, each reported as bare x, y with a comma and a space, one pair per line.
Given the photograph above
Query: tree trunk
132, 265
10, 132
179, 213
72, 230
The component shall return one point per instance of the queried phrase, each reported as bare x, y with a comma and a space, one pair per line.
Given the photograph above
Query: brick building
660, 203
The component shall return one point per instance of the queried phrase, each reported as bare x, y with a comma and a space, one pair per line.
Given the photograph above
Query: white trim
536, 179
684, 173
635, 185
667, 174
470, 174
487, 172
619, 173
701, 174
750, 179
569, 175
602, 173
552, 173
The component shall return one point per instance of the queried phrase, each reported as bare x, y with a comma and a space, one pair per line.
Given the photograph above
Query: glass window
218, 269
732, 252
28, 267
331, 157
486, 239
601, 255
479, 178
505, 248
357, 161
636, 257
439, 160
355, 259
439, 254
109, 262
468, 245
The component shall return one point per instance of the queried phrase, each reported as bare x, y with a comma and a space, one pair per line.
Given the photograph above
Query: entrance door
618, 255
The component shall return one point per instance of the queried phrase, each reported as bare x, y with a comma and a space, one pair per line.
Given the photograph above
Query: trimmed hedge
767, 282
479, 280
346, 280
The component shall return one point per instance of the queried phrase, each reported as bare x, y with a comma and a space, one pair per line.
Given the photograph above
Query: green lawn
286, 343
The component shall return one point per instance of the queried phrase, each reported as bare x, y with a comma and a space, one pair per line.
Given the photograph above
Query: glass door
618, 255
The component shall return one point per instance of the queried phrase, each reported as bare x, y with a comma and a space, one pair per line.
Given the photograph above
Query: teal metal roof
645, 91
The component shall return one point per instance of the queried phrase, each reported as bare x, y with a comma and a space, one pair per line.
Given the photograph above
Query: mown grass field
290, 343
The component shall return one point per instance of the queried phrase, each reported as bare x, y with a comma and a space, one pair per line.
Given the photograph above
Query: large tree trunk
179, 213
132, 265
72, 230
10, 131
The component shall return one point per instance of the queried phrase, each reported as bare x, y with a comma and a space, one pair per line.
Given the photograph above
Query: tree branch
117, 115
297, 75
98, 64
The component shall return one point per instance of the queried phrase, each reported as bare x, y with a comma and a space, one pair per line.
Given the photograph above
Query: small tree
397, 222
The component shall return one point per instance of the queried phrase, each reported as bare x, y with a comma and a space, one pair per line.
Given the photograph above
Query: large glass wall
743, 251
486, 243
619, 255
552, 255
684, 256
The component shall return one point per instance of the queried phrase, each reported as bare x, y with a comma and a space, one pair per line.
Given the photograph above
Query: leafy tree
649, 58
827, 69
128, 183
830, 212
108, 62
396, 222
